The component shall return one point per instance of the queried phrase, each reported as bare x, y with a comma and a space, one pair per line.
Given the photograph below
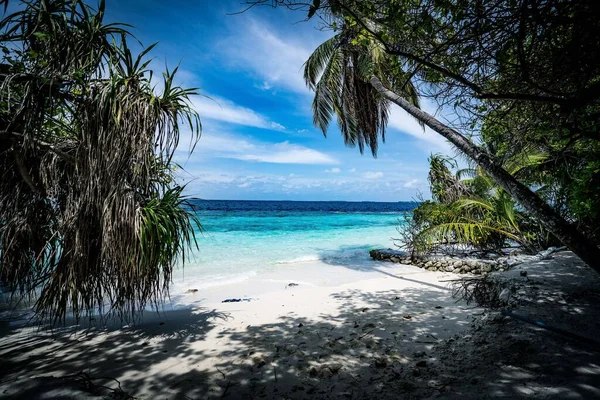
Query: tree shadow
366, 264
113, 355
411, 342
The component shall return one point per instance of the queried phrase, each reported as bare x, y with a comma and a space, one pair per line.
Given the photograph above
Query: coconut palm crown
338, 71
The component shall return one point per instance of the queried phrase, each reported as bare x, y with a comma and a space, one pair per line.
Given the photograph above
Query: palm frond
465, 232
338, 71
318, 60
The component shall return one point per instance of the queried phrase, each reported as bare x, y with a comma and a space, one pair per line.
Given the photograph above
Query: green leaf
41, 35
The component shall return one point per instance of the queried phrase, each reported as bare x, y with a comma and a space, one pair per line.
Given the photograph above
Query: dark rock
422, 364
231, 301
234, 300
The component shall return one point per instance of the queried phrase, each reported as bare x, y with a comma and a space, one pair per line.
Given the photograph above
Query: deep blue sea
242, 239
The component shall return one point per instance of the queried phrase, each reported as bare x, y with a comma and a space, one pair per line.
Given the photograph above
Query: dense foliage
91, 218
517, 76
468, 211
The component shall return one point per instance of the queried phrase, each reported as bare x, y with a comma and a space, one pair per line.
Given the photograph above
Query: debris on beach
235, 300
291, 284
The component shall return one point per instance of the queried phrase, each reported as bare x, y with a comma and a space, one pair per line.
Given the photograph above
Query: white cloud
210, 178
284, 153
400, 120
410, 184
353, 170
264, 86
372, 175
220, 109
241, 148
277, 127
333, 171
276, 60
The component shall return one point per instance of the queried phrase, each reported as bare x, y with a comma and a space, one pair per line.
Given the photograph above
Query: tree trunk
566, 232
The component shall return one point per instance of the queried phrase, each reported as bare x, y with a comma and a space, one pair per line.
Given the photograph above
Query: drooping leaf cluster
91, 217
338, 72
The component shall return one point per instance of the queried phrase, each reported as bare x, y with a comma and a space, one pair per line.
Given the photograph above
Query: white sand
367, 337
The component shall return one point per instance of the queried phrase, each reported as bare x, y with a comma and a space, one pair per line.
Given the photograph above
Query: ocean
244, 239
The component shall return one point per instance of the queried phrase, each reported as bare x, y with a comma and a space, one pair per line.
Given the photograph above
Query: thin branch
25, 173
42, 144
481, 93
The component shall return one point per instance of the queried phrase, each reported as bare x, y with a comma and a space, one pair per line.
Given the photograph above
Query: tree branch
25, 173
42, 144
480, 92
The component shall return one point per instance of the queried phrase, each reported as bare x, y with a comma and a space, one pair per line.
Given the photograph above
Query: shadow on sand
411, 343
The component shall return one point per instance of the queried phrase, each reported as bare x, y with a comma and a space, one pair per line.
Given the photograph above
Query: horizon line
311, 201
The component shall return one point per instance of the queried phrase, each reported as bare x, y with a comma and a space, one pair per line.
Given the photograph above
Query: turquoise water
241, 239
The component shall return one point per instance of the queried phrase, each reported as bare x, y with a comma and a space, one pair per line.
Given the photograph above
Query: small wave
195, 282
299, 260
328, 255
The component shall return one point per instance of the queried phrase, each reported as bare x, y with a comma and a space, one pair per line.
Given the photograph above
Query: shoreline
396, 331
305, 274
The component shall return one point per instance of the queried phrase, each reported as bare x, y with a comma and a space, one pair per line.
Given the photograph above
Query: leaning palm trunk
568, 234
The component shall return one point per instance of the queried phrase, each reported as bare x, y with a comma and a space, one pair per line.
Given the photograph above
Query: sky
258, 141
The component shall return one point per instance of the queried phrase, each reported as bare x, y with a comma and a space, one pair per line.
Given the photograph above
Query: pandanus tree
91, 217
412, 38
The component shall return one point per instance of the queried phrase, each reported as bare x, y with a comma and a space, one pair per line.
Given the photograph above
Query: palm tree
339, 72
91, 217
471, 211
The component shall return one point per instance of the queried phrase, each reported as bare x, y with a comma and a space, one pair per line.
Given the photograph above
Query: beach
393, 330
220, 216
310, 331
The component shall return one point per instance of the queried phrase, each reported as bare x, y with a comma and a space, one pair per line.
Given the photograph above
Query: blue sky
258, 141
